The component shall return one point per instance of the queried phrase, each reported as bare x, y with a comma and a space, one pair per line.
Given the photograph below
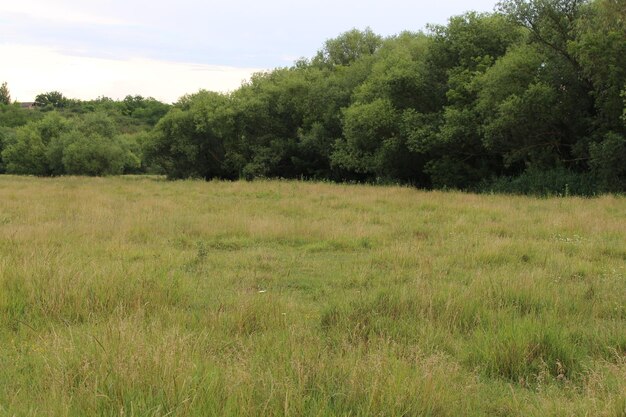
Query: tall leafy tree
51, 99
92, 146
5, 95
373, 144
26, 153
536, 91
464, 49
600, 48
552, 23
192, 140
348, 47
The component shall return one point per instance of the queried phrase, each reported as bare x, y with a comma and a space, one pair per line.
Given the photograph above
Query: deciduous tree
5, 95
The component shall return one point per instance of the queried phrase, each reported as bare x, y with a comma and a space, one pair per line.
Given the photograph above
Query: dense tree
600, 48
26, 153
370, 130
99, 137
5, 95
521, 109
531, 98
54, 145
6, 135
581, 49
12, 115
608, 159
52, 99
483, 96
460, 54
144, 110
93, 155
551, 23
192, 139
92, 147
348, 48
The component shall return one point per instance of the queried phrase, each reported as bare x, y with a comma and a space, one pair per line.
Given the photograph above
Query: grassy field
141, 297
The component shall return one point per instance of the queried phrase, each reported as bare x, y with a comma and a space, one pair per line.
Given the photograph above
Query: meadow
137, 296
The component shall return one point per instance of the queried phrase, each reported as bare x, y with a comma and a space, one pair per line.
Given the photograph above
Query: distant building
27, 105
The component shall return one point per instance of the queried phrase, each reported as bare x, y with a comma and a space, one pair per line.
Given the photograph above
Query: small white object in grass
262, 291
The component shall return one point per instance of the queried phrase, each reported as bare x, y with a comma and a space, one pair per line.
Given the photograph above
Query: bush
6, 135
554, 182
87, 145
26, 152
93, 147
608, 162
93, 155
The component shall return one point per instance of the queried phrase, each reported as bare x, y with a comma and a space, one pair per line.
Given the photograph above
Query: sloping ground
137, 296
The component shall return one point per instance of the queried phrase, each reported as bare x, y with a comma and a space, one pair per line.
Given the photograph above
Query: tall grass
140, 297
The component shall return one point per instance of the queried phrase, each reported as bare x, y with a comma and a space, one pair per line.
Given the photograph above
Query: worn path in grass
138, 296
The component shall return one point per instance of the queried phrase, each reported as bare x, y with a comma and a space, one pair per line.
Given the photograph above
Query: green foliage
397, 73
348, 48
533, 108
133, 145
5, 95
552, 23
600, 47
453, 139
624, 112
608, 162
523, 127
369, 131
93, 155
12, 115
448, 172
144, 110
51, 100
534, 89
190, 140
511, 95
94, 147
7, 135
27, 152
543, 182
89, 145
467, 39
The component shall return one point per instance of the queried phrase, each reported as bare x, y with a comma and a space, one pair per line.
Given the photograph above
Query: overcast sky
90, 48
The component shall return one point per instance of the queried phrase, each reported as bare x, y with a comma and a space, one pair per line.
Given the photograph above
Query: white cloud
30, 70
57, 12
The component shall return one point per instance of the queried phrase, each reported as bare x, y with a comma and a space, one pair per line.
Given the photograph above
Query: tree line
63, 136
528, 99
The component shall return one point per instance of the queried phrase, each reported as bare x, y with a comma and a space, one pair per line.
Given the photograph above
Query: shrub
608, 162
554, 182
93, 155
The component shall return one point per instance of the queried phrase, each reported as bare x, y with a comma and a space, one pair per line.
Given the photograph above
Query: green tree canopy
192, 139
53, 99
348, 47
5, 95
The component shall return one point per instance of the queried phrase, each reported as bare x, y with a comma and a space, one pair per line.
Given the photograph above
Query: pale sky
92, 48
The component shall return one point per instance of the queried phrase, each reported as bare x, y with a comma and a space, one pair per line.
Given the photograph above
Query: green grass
140, 297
